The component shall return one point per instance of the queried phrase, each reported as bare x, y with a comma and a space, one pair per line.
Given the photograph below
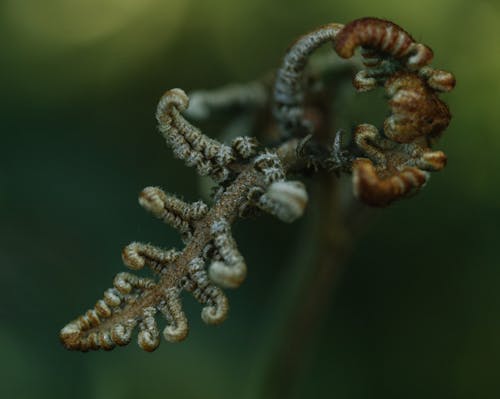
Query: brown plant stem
332, 234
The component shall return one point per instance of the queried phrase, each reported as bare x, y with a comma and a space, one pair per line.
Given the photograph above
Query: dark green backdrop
416, 312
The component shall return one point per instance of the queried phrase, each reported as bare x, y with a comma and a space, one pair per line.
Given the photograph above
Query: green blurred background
416, 312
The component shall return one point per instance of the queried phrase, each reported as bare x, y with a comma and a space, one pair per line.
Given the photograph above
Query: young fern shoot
386, 163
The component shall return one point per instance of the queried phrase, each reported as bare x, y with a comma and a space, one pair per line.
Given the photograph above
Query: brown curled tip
416, 109
384, 36
432, 160
374, 190
438, 79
